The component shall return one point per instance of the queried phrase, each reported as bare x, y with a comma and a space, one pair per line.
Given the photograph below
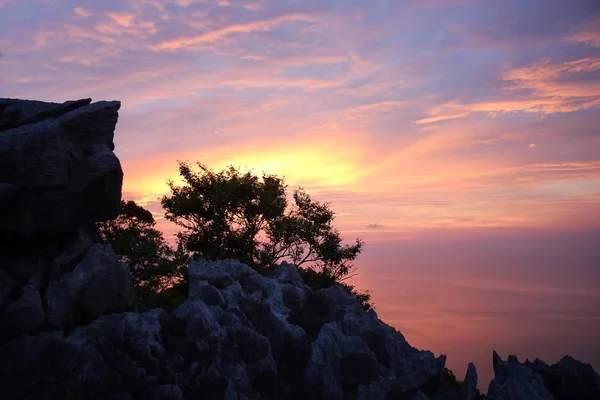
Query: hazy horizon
458, 138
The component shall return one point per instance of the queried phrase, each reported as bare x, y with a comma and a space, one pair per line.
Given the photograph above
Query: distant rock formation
568, 379
69, 330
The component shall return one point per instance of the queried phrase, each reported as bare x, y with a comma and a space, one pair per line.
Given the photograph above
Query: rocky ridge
69, 328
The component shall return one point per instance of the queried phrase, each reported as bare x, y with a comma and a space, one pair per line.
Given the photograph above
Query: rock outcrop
57, 169
239, 336
565, 380
58, 177
513, 381
568, 378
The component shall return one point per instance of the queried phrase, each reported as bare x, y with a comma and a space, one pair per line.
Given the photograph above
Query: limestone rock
568, 379
57, 168
287, 273
98, 285
513, 381
468, 389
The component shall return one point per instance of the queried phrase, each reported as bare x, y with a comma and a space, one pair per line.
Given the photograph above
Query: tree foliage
156, 269
230, 214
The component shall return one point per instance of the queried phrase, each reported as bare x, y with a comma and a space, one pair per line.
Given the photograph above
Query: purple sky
459, 138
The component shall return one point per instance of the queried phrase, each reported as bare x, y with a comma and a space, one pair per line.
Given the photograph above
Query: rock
17, 112
72, 252
240, 336
568, 379
219, 275
287, 273
26, 314
513, 381
98, 285
57, 168
342, 348
468, 389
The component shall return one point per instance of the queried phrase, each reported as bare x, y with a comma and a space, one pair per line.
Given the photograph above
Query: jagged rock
73, 252
57, 168
98, 285
25, 314
287, 273
266, 339
342, 348
468, 389
514, 381
568, 379
16, 112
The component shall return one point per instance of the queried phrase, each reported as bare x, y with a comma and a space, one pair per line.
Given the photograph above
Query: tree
229, 214
156, 269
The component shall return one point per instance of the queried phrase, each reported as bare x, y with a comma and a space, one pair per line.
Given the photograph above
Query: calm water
466, 294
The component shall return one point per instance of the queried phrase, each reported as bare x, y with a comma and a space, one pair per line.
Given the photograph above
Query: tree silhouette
229, 214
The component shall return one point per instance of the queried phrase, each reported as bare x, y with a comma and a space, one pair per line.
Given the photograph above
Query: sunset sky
459, 138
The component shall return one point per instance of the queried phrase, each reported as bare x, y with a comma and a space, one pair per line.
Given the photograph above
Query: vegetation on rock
158, 271
230, 214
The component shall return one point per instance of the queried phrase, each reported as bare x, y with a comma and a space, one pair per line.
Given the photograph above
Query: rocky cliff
68, 329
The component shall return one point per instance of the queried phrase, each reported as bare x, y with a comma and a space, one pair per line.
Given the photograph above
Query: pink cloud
549, 94
213, 36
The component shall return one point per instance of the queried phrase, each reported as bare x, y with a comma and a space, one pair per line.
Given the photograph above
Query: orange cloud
79, 33
213, 36
122, 19
590, 36
82, 12
549, 94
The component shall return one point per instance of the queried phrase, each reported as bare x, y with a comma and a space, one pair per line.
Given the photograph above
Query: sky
459, 139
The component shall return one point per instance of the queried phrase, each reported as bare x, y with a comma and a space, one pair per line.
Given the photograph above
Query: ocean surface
466, 293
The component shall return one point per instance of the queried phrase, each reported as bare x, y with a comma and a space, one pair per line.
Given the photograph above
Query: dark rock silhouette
68, 329
513, 381
57, 168
58, 177
567, 379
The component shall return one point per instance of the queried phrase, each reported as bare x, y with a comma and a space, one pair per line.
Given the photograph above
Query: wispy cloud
549, 88
589, 35
213, 36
